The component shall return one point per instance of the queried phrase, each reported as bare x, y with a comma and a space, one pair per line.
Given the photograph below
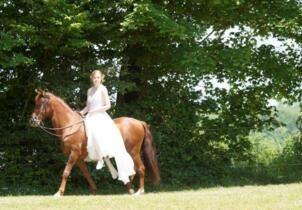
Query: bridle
48, 129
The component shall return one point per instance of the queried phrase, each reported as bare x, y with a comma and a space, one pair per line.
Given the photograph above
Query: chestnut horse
69, 127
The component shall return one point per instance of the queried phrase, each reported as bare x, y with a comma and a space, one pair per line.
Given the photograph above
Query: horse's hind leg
85, 172
139, 166
129, 185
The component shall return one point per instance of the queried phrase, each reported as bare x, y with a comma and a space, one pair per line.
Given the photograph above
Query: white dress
104, 137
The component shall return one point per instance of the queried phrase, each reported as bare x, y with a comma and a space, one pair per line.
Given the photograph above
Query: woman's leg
112, 170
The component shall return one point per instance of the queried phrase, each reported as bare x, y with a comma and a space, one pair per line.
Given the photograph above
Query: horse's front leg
73, 157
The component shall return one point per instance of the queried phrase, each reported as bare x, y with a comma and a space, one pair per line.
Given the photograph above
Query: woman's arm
106, 99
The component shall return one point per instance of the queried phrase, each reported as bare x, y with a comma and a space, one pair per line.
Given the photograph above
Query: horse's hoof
57, 195
139, 192
131, 191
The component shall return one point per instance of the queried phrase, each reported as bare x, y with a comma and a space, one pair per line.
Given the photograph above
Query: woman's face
96, 79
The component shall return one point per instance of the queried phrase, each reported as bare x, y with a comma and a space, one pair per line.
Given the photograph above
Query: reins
62, 128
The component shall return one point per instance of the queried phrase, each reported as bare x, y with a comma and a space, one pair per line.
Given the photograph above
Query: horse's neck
62, 115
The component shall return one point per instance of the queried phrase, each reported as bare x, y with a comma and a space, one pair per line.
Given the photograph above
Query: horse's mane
60, 100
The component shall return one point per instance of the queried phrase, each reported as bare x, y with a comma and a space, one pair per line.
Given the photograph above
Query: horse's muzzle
33, 122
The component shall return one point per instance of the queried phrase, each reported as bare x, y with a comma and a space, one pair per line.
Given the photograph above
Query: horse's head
42, 109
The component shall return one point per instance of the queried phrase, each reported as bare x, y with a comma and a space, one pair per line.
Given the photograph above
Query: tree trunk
131, 73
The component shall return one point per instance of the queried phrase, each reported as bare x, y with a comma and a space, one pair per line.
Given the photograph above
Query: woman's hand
84, 111
80, 113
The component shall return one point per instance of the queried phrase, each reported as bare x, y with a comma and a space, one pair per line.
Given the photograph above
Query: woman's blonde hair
97, 72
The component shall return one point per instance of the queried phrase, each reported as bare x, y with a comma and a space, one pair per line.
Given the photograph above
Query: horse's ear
39, 93
39, 90
43, 93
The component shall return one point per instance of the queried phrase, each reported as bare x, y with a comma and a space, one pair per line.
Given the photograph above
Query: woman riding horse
69, 127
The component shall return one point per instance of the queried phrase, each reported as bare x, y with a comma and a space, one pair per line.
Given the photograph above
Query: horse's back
129, 124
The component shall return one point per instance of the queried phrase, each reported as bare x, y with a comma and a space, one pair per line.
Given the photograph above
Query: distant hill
287, 115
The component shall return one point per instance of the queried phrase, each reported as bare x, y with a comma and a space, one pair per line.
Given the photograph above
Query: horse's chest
72, 146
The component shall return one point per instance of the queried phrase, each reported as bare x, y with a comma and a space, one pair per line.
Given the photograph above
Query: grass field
287, 196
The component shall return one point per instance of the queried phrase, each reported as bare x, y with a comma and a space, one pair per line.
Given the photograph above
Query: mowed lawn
287, 196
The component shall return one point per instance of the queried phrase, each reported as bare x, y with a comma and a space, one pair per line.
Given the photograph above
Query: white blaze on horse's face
41, 110
36, 116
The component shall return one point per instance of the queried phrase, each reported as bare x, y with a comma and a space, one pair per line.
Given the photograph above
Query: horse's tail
150, 155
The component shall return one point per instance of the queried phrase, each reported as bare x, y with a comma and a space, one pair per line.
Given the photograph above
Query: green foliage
145, 14
292, 152
9, 58
265, 151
